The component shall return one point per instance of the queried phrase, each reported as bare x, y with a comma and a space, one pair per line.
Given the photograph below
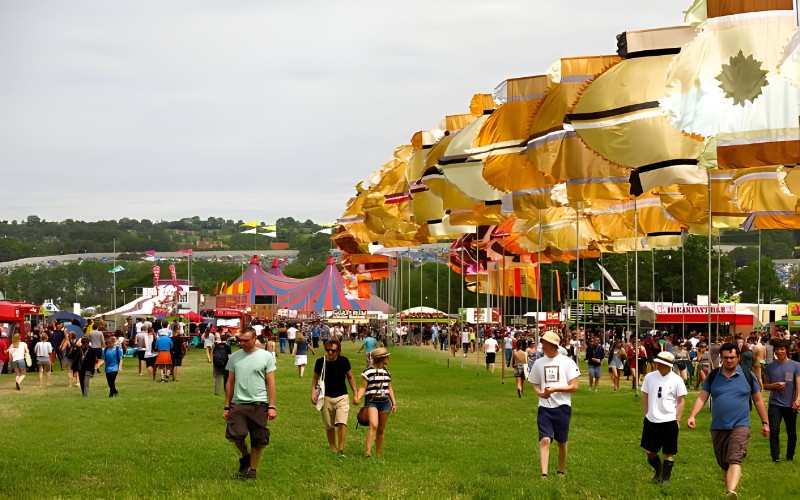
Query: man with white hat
663, 394
554, 376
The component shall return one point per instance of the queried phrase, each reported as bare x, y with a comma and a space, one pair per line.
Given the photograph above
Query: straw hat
551, 337
665, 358
379, 352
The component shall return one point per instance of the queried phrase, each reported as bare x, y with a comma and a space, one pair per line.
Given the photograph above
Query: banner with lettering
156, 275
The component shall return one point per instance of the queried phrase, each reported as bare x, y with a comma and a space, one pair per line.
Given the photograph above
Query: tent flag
326, 230
558, 285
150, 253
116, 269
188, 251
272, 234
270, 227
250, 224
250, 231
608, 277
216, 288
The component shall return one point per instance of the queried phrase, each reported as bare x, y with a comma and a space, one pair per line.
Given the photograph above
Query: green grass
458, 433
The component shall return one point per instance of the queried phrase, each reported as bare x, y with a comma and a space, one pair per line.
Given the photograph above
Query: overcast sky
254, 110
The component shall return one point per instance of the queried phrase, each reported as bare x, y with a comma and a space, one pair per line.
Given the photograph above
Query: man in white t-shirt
291, 336
490, 348
555, 377
465, 341
663, 394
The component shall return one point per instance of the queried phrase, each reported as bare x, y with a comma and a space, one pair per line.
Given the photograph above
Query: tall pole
437, 284
420, 282
708, 263
758, 292
636, 292
603, 298
683, 292
719, 270
578, 270
627, 295
114, 296
539, 268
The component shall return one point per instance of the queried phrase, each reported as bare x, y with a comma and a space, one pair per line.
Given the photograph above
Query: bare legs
544, 456
732, 476
19, 376
44, 375
377, 424
615, 377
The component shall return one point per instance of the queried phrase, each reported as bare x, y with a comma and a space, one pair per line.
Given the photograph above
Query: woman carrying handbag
376, 385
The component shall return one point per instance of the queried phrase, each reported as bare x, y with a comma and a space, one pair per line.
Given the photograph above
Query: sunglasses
331, 350
243, 340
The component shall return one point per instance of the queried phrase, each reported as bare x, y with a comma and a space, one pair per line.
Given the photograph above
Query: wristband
227, 408
272, 408
764, 423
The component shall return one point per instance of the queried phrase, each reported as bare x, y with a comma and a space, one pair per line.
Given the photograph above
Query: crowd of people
731, 370
250, 394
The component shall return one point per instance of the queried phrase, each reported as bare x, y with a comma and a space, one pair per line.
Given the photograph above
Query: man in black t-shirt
178, 350
336, 404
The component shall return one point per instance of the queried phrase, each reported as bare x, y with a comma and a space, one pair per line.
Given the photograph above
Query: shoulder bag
320, 389
28, 360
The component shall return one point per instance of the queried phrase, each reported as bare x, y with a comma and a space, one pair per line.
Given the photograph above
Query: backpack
71, 351
220, 355
747, 374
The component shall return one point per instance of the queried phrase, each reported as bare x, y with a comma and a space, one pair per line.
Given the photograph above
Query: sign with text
482, 315
600, 311
340, 314
693, 309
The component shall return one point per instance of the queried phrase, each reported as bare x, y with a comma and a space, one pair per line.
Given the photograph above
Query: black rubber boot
655, 463
666, 472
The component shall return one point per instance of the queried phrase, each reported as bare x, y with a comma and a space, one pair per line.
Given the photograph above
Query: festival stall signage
481, 315
347, 315
693, 309
597, 312
794, 311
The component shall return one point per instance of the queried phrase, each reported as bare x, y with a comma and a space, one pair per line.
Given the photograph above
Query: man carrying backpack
731, 389
220, 353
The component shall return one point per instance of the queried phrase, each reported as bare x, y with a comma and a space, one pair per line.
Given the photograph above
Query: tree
746, 280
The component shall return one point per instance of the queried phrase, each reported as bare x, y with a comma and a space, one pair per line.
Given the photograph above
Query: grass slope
458, 433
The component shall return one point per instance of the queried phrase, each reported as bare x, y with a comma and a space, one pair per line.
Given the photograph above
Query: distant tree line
38, 237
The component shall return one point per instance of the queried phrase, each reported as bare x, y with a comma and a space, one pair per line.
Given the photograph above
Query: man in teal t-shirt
368, 344
249, 400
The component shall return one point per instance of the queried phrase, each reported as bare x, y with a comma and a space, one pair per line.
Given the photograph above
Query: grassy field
458, 433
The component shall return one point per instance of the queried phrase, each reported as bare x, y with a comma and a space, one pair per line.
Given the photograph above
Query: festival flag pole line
542, 151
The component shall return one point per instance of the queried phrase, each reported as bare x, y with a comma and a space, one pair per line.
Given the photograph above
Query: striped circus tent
324, 292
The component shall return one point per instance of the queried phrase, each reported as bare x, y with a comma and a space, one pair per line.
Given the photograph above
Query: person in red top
5, 343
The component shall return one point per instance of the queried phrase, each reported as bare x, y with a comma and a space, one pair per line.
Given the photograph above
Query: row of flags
685, 129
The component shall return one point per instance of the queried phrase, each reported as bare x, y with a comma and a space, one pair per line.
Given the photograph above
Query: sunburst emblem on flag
742, 79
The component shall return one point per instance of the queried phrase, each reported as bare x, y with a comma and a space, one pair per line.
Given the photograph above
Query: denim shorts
384, 405
594, 371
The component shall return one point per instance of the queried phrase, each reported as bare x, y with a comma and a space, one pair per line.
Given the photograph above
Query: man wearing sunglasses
731, 389
333, 369
249, 400
663, 394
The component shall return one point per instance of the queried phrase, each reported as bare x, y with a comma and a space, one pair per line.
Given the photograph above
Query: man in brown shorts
249, 400
731, 389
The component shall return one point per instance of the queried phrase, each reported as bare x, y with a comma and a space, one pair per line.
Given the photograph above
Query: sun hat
379, 352
551, 337
665, 358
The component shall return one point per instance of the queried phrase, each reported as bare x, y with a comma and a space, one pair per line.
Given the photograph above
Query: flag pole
114, 296
636, 294
708, 190
539, 264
